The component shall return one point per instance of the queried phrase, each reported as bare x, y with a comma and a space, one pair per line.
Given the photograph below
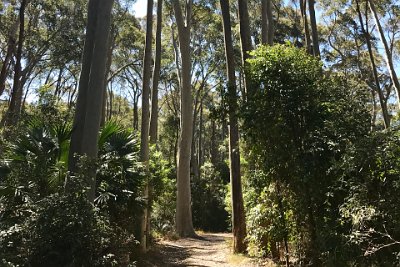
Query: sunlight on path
210, 250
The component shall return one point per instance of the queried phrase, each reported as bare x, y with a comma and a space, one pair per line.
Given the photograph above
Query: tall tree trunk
156, 77
176, 52
96, 87
314, 29
14, 108
83, 88
238, 217
193, 158
92, 85
388, 53
314, 252
282, 216
267, 27
108, 68
200, 153
110, 103
386, 118
245, 39
213, 144
135, 115
57, 91
144, 131
307, 39
12, 38
184, 224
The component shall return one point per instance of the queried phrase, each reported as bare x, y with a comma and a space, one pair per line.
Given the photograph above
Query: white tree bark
388, 54
184, 224
144, 131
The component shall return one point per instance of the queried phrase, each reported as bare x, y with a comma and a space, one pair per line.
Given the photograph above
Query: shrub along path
210, 249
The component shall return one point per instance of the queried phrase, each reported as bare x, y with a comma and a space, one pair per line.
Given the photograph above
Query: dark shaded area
164, 256
208, 198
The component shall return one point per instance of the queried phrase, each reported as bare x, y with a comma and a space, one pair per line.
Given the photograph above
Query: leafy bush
120, 176
163, 181
371, 171
297, 124
44, 224
208, 206
57, 230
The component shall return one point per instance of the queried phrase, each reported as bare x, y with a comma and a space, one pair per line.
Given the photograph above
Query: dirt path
208, 250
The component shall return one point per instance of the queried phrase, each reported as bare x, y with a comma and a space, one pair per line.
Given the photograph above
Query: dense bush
208, 206
163, 181
58, 230
297, 125
371, 171
44, 223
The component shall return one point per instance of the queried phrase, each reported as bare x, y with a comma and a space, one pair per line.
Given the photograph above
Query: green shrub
208, 206
44, 223
297, 125
371, 171
57, 230
163, 180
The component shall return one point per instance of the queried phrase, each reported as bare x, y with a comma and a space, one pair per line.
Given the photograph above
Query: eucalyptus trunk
238, 217
267, 27
107, 73
97, 79
388, 53
245, 39
385, 113
314, 29
184, 223
14, 108
156, 77
12, 39
84, 139
307, 38
83, 88
144, 131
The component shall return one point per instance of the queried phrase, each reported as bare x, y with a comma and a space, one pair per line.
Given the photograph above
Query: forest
268, 126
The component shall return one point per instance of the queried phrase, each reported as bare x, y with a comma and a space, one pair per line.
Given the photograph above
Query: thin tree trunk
10, 50
314, 29
156, 77
267, 27
238, 217
57, 90
386, 118
177, 59
193, 161
80, 109
307, 39
283, 221
312, 227
14, 108
110, 103
200, 141
245, 39
388, 54
135, 116
144, 130
213, 144
107, 73
184, 224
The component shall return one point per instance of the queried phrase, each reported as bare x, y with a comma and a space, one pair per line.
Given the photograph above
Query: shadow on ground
164, 255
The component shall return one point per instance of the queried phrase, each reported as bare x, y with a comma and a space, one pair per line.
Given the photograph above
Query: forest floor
208, 250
